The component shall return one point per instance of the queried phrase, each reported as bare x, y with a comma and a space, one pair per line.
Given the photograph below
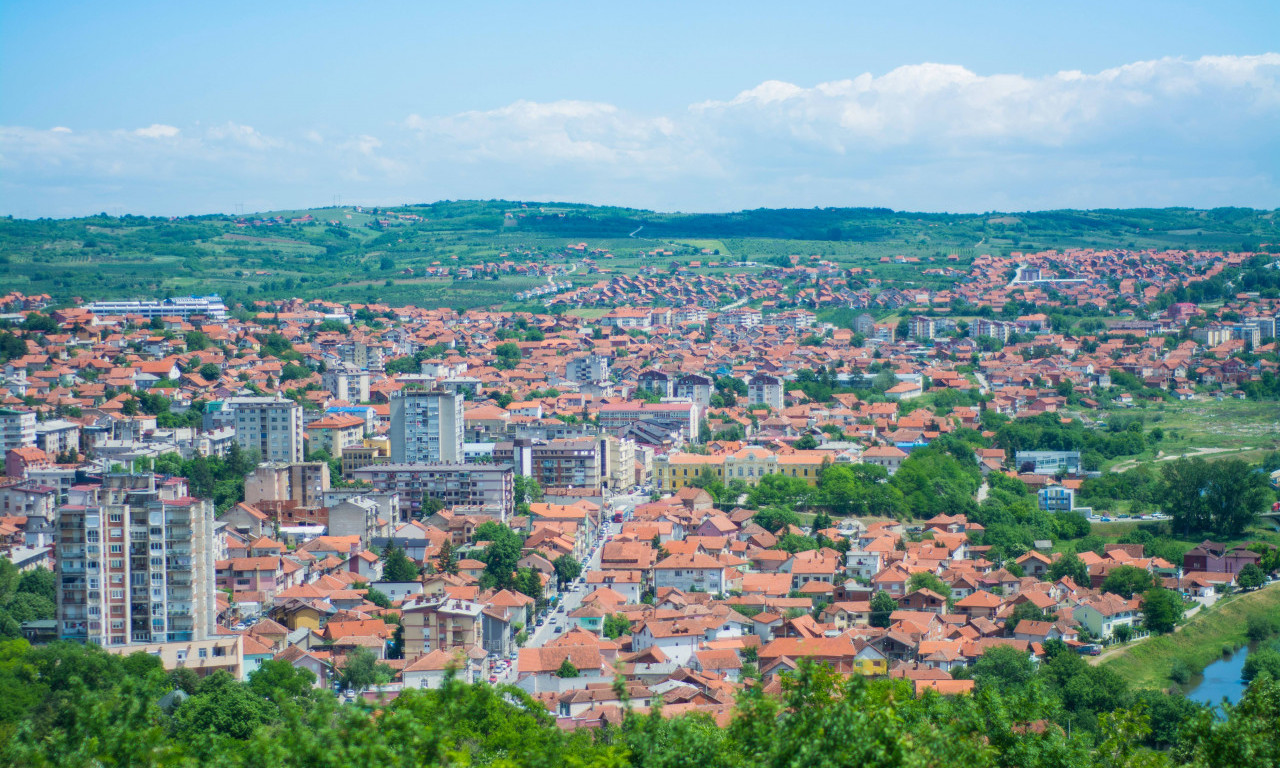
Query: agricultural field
347, 253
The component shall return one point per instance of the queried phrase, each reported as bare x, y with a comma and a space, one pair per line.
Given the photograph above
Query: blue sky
176, 108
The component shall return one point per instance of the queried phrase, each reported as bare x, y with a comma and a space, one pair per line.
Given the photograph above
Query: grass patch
1197, 644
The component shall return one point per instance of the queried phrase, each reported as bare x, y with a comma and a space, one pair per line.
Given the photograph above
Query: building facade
426, 427
271, 426
17, 429
135, 565
488, 488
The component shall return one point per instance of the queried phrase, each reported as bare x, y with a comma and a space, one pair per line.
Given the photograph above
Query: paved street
571, 599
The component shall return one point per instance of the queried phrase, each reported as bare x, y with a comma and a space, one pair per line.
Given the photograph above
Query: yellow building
749, 463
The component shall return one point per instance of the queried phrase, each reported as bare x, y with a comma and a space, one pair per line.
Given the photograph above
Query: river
1221, 679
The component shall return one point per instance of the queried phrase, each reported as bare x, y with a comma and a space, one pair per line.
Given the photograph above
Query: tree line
74, 705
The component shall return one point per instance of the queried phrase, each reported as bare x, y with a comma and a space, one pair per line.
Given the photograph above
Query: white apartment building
346, 382
135, 564
17, 429
269, 425
57, 436
587, 369
426, 427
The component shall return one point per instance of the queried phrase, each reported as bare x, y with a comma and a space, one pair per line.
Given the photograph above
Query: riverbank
1198, 643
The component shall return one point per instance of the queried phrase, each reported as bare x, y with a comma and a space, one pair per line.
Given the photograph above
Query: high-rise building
587, 368
272, 426
426, 427
135, 564
17, 429
765, 389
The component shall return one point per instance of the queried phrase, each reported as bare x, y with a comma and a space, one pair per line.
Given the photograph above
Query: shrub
1259, 628
1179, 672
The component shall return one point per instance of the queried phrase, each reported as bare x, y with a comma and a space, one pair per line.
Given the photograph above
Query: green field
1205, 427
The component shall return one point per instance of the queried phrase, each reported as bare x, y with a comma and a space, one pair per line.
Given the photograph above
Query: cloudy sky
165, 109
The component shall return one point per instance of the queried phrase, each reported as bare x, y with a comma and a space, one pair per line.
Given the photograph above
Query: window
116, 549
117, 594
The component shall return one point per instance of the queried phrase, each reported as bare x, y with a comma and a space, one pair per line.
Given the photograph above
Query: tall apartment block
135, 564
426, 427
269, 425
17, 429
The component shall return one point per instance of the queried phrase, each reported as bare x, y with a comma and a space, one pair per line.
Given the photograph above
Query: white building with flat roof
210, 306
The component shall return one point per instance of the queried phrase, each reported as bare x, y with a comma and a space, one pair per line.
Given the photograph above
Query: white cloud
155, 131
924, 136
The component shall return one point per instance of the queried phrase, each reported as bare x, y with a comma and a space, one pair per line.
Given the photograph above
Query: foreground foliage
68, 705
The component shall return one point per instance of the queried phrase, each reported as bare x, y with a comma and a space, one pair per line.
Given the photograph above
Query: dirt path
1129, 464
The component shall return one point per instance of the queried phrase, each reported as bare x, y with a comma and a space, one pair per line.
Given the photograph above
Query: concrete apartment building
218, 652
762, 388
587, 369
335, 433
302, 482
57, 436
652, 380
347, 382
572, 463
695, 387
440, 623
486, 488
426, 427
269, 425
17, 429
135, 564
